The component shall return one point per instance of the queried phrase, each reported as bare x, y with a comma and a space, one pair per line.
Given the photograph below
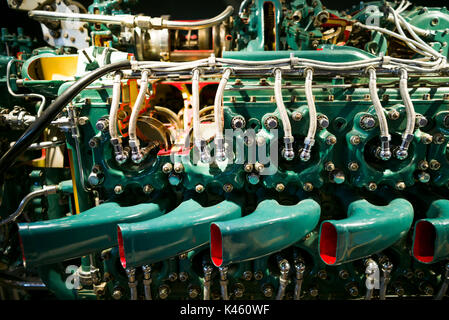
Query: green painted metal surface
368, 229
183, 229
270, 228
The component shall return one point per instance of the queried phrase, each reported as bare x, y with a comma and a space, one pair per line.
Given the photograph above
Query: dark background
177, 9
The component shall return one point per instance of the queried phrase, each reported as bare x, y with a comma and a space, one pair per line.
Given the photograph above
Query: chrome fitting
402, 152
385, 153
306, 151
288, 152
220, 153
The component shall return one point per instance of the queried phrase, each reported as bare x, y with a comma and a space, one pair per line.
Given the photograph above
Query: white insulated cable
218, 116
134, 143
408, 134
309, 141
288, 152
385, 138
120, 154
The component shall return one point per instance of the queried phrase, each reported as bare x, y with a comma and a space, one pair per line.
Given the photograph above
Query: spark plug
387, 267
224, 282
132, 282
284, 267
372, 277
147, 281
207, 269
300, 267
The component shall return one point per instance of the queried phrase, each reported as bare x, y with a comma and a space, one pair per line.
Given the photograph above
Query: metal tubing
181, 230
367, 230
259, 234
93, 230
431, 235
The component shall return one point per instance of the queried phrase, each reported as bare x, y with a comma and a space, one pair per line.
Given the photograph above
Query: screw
199, 188
228, 187
239, 289
329, 166
247, 275
423, 165
399, 291
393, 115
313, 292
438, 138
167, 167
419, 274
118, 189
259, 167
343, 274
280, 187
367, 122
434, 165
94, 142
323, 122
164, 290
400, 185
183, 276
355, 140
147, 189
426, 138
271, 122
248, 167
117, 294
331, 140
173, 276
372, 186
353, 166
102, 124
297, 116
193, 293
178, 167
258, 275
421, 121
308, 187
238, 122
267, 291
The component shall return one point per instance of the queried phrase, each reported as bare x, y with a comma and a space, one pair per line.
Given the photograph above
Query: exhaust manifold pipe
270, 228
181, 230
52, 241
367, 230
431, 235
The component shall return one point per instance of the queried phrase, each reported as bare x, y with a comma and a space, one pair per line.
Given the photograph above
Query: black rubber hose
36, 129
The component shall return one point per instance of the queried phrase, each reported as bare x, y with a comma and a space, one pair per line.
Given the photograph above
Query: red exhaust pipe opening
121, 248
216, 245
424, 244
328, 243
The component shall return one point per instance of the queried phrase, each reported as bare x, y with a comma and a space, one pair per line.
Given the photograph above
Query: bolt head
183, 276
372, 186
355, 140
297, 116
367, 122
199, 188
228, 187
313, 292
178, 167
253, 178
400, 186
167, 167
308, 186
329, 166
331, 140
238, 122
248, 167
271, 122
118, 189
353, 166
280, 187
174, 179
247, 275
147, 189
